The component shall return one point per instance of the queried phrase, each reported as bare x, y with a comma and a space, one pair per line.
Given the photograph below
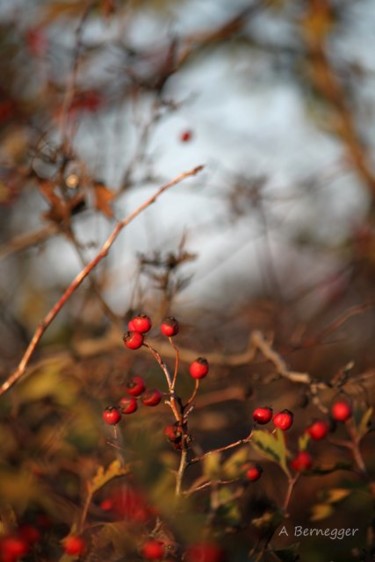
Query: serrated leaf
212, 465
336, 494
103, 476
233, 466
363, 425
272, 446
321, 511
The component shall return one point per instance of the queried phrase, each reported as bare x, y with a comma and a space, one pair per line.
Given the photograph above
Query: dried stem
18, 373
221, 449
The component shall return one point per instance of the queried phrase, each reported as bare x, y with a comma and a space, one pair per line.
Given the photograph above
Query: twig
222, 449
18, 373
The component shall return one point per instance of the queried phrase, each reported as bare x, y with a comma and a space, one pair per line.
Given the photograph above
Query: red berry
128, 405
186, 136
111, 415
318, 430
302, 461
254, 473
136, 386
153, 550
173, 433
283, 420
140, 323
341, 411
106, 505
13, 548
204, 552
262, 415
169, 327
152, 397
199, 368
30, 533
74, 545
133, 340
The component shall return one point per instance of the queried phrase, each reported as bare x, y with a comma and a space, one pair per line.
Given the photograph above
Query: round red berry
173, 433
30, 533
204, 552
186, 136
133, 340
169, 327
136, 386
199, 368
283, 420
341, 410
253, 473
153, 550
13, 548
106, 504
152, 397
128, 405
301, 462
111, 415
262, 415
318, 430
74, 545
140, 323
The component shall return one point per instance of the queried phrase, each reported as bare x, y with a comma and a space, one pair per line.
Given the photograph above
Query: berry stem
181, 471
192, 397
291, 483
354, 446
177, 362
172, 401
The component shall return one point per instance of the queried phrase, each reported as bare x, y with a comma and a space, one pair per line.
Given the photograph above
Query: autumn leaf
103, 199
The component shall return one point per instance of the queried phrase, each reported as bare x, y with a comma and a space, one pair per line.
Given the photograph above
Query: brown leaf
103, 198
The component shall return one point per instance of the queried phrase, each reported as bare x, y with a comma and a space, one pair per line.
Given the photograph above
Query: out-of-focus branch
24, 241
20, 370
315, 29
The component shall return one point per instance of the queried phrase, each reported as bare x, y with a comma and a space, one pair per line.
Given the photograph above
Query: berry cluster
136, 390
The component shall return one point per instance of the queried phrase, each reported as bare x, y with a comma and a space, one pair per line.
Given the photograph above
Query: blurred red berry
140, 323
13, 548
302, 461
133, 340
318, 430
341, 410
111, 415
262, 415
106, 504
204, 552
253, 473
30, 533
74, 545
153, 550
136, 386
169, 327
152, 397
283, 420
128, 405
186, 135
199, 368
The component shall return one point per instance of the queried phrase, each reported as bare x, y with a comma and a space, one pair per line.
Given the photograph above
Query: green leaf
233, 466
272, 446
363, 425
212, 465
102, 477
303, 441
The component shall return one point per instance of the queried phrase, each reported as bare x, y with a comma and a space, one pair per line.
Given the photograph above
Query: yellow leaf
233, 467
103, 476
272, 446
321, 511
337, 494
212, 465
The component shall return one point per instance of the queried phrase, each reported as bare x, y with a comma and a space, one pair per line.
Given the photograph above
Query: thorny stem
181, 470
172, 400
221, 449
53, 312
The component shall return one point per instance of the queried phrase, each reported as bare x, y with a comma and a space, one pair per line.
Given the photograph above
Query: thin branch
51, 315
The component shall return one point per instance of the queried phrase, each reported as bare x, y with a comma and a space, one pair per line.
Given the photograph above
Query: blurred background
103, 101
